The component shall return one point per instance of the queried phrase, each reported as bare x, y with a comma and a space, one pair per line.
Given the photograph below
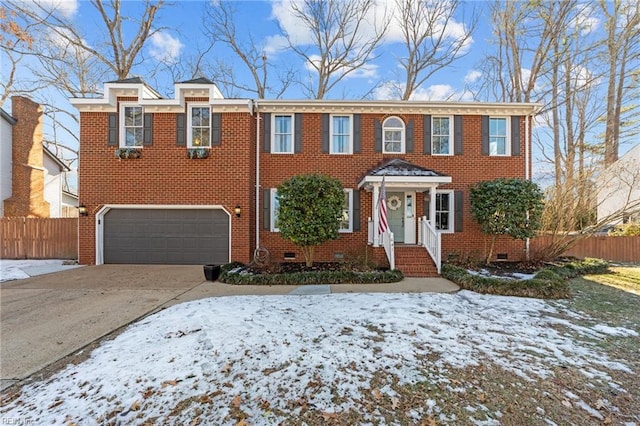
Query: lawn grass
622, 277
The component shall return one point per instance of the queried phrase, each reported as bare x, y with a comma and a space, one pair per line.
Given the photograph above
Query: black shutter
378, 136
216, 129
458, 200
324, 122
485, 135
181, 129
515, 135
426, 138
356, 210
409, 136
147, 132
457, 134
113, 129
266, 209
297, 137
357, 137
266, 137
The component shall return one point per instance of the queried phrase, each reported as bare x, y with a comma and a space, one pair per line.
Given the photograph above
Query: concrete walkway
46, 318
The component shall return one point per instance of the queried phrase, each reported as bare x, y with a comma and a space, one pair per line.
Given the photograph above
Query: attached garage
168, 236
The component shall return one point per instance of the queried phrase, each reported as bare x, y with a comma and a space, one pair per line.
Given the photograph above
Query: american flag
383, 225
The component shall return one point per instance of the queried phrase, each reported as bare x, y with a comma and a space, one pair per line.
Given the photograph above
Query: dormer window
199, 125
132, 130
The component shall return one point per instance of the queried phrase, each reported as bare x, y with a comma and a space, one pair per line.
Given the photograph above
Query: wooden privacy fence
619, 249
39, 238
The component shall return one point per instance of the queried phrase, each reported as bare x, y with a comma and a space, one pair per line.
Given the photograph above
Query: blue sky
182, 34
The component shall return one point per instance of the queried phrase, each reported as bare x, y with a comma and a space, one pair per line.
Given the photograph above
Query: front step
414, 261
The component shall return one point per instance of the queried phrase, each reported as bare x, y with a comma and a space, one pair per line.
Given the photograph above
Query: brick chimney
27, 199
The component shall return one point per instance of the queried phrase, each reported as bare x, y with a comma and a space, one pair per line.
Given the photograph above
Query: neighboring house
32, 177
164, 204
619, 190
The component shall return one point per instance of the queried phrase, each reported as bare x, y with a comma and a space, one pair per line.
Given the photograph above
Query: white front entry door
401, 216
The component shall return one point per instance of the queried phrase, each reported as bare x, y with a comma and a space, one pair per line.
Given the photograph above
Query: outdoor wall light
237, 210
82, 210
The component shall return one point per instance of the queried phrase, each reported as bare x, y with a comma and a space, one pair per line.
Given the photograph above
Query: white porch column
432, 206
375, 215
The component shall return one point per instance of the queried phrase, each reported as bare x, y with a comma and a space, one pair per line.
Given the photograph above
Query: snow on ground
218, 353
11, 269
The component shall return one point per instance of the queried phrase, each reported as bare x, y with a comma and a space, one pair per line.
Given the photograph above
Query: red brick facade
165, 176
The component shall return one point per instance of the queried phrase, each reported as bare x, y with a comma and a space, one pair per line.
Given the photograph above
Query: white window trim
452, 212
273, 133
350, 228
189, 125
507, 140
121, 131
450, 117
403, 139
350, 148
272, 216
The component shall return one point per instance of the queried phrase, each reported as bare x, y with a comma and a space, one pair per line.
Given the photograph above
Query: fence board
38, 238
618, 249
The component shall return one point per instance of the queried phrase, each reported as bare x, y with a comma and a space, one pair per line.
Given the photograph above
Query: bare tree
429, 40
344, 36
622, 47
220, 27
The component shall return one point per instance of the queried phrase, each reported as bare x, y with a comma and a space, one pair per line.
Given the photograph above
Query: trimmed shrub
549, 286
548, 283
235, 273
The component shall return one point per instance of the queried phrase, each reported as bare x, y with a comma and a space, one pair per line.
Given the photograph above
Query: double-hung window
132, 128
444, 211
282, 134
393, 134
499, 143
441, 135
199, 124
346, 220
341, 134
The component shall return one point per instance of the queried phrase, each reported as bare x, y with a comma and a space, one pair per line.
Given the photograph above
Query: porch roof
400, 173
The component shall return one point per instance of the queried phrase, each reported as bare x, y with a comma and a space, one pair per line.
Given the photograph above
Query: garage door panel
166, 236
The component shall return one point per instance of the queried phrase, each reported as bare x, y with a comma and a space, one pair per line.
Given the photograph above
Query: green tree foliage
310, 211
510, 207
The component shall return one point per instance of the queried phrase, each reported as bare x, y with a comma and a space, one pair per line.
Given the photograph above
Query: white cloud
586, 20
66, 8
437, 92
164, 47
367, 70
472, 76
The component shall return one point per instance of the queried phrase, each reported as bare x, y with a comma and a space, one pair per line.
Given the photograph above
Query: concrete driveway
46, 318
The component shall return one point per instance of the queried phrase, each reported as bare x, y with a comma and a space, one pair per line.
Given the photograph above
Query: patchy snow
17, 269
506, 275
615, 331
262, 354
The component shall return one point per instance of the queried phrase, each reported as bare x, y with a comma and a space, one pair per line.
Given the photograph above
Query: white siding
53, 186
620, 186
5, 163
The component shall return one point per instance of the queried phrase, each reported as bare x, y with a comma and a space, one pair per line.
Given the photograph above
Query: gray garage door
170, 236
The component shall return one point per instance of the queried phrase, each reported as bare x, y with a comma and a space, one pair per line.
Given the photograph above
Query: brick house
151, 198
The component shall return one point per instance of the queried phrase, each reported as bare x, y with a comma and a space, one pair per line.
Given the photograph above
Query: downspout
527, 175
254, 104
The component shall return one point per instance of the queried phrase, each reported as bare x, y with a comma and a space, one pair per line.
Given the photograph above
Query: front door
401, 216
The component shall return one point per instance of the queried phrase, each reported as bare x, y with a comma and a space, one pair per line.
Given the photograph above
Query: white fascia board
387, 107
